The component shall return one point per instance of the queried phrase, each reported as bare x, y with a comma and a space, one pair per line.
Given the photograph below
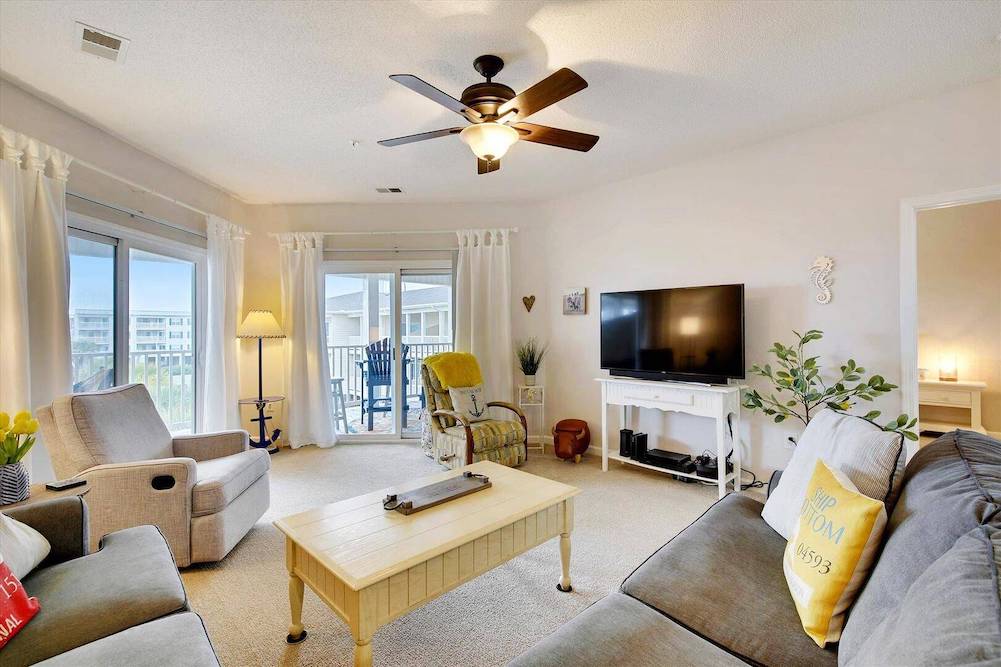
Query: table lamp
261, 324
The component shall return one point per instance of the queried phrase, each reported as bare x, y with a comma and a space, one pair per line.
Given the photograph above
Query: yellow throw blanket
455, 369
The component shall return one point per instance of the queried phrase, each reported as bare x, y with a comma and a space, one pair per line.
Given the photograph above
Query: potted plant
800, 389
17, 437
530, 355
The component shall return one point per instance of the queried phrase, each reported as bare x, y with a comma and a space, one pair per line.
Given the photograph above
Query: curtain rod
136, 214
394, 233
140, 187
339, 250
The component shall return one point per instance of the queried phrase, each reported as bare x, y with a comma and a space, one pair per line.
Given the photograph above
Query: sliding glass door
92, 310
162, 334
382, 319
135, 316
426, 326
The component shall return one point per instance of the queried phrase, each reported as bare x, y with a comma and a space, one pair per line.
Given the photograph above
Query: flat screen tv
693, 334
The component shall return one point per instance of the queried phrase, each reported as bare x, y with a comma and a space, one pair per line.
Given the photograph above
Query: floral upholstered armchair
457, 441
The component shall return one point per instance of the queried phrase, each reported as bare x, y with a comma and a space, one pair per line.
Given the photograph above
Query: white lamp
490, 140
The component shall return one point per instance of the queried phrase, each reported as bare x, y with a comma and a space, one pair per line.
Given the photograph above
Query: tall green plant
800, 390
530, 355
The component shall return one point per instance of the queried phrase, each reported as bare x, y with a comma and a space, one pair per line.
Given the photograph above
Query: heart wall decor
529, 301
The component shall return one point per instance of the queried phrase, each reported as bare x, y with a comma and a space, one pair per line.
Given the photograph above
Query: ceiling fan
497, 114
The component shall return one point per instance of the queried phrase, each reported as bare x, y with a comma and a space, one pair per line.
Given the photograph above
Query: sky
154, 285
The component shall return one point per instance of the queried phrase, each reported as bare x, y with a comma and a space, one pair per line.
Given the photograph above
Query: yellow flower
22, 416
4, 420
31, 426
3, 435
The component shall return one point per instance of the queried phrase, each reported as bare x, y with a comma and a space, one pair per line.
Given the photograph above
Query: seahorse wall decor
820, 272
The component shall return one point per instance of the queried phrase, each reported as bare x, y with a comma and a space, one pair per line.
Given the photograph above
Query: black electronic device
691, 334
639, 447
63, 484
625, 442
706, 466
670, 460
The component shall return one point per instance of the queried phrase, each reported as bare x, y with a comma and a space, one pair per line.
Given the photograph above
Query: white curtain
483, 307
307, 375
221, 393
35, 359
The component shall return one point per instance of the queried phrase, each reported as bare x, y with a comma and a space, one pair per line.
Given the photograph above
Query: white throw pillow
469, 402
22, 547
865, 453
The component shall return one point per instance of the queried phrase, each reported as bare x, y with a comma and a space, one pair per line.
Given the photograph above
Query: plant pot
529, 380
15, 484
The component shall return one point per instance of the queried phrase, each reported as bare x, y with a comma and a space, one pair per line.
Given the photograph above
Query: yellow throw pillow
831, 553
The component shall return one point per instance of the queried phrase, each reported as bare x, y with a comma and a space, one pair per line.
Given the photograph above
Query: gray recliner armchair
204, 492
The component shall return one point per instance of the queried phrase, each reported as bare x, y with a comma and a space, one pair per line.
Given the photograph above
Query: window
431, 327
165, 284
92, 303
133, 315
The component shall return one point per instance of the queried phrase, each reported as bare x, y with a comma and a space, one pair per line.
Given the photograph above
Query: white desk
717, 402
963, 395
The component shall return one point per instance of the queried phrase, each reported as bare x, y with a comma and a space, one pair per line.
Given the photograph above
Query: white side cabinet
721, 403
964, 396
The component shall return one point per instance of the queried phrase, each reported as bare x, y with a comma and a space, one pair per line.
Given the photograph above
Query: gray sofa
716, 594
120, 606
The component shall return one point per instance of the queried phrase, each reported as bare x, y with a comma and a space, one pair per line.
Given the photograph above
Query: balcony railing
168, 375
343, 360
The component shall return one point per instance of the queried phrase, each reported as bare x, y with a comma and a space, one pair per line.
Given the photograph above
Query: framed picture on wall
575, 301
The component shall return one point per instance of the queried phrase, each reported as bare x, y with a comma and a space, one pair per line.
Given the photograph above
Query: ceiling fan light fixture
489, 141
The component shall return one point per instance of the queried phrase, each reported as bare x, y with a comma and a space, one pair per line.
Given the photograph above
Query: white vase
529, 380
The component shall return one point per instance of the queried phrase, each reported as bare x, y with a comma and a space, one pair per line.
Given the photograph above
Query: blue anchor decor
477, 411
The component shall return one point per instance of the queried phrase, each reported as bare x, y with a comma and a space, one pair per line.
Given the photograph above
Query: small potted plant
800, 389
530, 355
17, 437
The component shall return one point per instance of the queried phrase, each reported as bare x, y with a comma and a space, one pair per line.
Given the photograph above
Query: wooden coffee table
372, 566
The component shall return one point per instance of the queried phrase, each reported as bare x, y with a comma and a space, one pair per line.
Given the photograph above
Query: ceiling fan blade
411, 138
424, 88
484, 167
552, 89
553, 136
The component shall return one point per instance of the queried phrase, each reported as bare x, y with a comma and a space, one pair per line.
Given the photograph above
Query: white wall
959, 296
760, 215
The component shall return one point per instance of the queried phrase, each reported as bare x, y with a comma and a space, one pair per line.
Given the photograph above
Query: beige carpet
621, 517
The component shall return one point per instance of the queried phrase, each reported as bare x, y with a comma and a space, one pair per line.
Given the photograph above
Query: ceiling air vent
389, 190
101, 43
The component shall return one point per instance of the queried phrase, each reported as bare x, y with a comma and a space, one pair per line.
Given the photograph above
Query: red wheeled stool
571, 438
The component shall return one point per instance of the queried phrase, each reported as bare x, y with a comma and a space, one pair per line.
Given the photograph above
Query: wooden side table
530, 396
39, 494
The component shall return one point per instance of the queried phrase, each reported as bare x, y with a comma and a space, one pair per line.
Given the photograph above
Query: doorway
951, 311
382, 319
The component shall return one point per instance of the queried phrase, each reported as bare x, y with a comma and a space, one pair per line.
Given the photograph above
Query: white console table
963, 395
717, 402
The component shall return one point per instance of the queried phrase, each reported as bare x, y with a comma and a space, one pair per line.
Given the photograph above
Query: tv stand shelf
718, 402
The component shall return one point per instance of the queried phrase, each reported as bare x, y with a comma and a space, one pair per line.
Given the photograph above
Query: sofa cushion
489, 434
869, 456
618, 630
951, 486
130, 580
178, 640
722, 578
955, 598
221, 480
